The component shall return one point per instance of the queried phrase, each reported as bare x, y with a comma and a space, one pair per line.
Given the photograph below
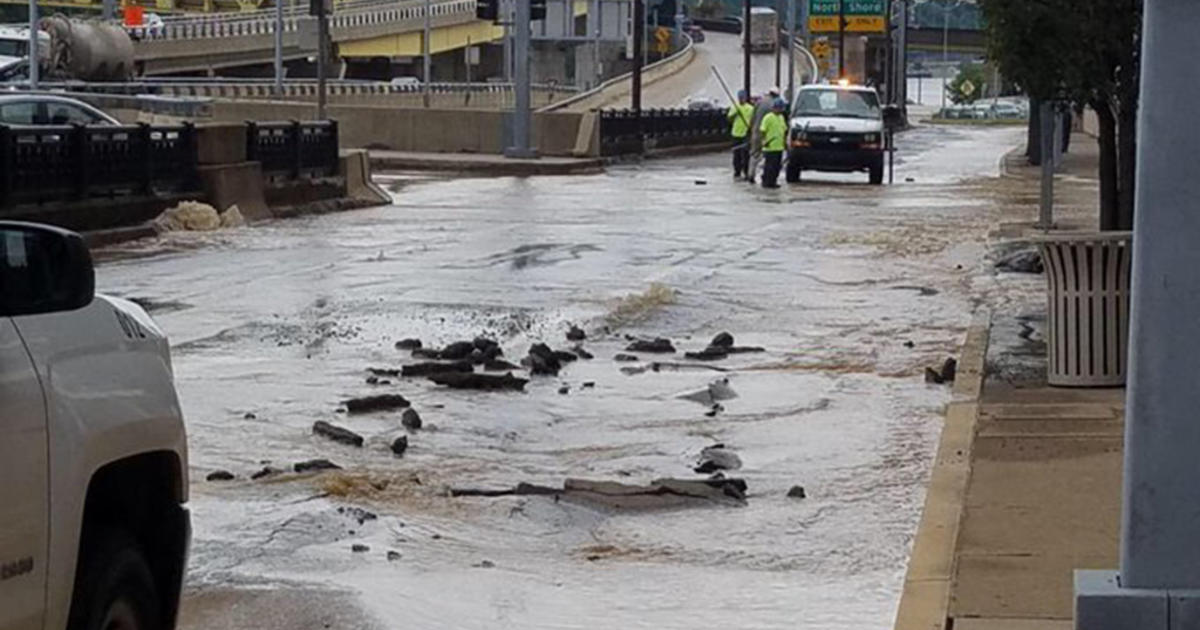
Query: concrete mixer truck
69, 49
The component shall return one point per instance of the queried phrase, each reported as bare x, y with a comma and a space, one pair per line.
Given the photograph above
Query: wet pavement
273, 326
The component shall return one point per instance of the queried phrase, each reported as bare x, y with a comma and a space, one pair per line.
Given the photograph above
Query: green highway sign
862, 16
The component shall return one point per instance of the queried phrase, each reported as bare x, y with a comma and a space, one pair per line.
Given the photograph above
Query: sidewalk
1026, 486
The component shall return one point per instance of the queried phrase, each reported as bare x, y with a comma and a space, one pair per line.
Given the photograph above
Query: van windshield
834, 103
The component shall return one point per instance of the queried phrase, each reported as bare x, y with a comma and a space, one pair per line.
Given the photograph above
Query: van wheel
792, 173
114, 588
877, 173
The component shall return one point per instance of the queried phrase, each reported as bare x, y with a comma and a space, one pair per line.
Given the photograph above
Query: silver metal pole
322, 58
598, 19
507, 15
34, 61
1046, 206
279, 46
945, 52
522, 117
427, 77
1160, 560
902, 58
791, 50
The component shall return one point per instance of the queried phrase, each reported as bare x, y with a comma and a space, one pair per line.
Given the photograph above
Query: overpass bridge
362, 30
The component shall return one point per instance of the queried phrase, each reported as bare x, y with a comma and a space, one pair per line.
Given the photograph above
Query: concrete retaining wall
415, 129
617, 88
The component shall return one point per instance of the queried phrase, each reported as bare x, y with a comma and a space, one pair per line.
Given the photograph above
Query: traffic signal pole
521, 116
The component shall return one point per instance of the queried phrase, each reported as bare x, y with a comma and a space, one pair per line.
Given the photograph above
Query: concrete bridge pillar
1158, 584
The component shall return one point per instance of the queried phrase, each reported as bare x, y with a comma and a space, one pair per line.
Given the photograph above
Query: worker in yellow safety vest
740, 116
774, 137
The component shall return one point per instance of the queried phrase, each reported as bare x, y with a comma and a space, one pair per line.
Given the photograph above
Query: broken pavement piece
625, 358
658, 345
796, 492
426, 353
711, 353
582, 353
359, 548
500, 365
375, 403
717, 457
410, 419
408, 344
716, 391
576, 334
383, 371
315, 465
267, 471
458, 380
722, 340
219, 475
427, 368
336, 433
949, 370
458, 350
399, 445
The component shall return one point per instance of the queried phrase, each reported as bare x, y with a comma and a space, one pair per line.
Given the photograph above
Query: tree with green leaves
1079, 53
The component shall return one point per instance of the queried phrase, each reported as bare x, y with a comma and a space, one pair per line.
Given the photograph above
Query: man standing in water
774, 136
740, 114
760, 111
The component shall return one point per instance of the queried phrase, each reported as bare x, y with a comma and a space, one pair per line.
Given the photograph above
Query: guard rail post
144, 158
293, 139
79, 156
251, 141
6, 163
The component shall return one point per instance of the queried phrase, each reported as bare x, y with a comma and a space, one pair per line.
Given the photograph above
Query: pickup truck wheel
115, 590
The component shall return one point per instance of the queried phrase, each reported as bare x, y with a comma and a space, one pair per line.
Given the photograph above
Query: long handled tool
725, 87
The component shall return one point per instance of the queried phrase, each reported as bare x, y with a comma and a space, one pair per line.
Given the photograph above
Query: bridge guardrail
660, 128
294, 149
264, 88
40, 164
258, 25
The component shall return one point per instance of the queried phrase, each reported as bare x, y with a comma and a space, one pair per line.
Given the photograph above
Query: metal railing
67, 163
263, 23
294, 149
621, 133
40, 164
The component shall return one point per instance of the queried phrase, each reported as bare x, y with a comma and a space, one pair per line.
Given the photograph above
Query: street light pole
426, 53
945, 49
841, 39
278, 47
1159, 561
791, 50
322, 54
522, 118
34, 68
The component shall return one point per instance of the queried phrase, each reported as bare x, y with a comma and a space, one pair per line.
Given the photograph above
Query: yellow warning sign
854, 24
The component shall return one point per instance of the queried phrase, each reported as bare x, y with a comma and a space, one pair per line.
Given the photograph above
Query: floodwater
832, 277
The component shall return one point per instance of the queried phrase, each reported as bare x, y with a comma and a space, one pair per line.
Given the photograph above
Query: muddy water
832, 277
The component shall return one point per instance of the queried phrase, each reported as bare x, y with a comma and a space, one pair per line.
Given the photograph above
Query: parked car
1008, 111
696, 33
93, 525
47, 109
702, 103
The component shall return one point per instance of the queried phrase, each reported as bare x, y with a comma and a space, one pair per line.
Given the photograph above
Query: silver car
48, 109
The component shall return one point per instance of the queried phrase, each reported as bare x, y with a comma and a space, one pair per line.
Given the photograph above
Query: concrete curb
491, 166
926, 595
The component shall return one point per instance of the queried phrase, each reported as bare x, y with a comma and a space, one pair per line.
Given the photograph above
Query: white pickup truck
93, 459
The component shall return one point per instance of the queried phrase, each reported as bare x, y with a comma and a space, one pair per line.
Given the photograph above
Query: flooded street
852, 290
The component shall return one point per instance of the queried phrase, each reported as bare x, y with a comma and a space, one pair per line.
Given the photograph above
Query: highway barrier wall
436, 130
619, 87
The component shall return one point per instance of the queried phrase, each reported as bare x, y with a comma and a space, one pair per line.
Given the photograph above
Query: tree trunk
1033, 142
1126, 165
1109, 219
1066, 130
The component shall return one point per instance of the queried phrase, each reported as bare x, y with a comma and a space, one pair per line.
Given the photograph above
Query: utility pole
779, 14
639, 33
427, 75
597, 31
278, 47
1159, 560
841, 39
945, 51
745, 46
323, 7
34, 60
791, 50
522, 118
902, 59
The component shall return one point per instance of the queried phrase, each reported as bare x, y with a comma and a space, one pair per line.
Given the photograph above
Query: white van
837, 128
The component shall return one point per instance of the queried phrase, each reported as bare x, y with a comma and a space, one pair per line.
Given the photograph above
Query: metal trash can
1087, 324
